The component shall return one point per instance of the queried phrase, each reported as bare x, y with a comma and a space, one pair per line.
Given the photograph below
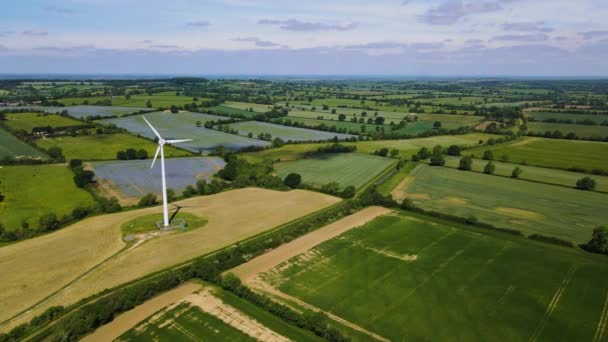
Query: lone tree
437, 124
488, 155
599, 241
437, 160
516, 172
585, 183
466, 164
489, 169
293, 180
454, 150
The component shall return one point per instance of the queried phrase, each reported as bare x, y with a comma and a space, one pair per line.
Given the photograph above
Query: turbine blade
155, 156
178, 141
152, 127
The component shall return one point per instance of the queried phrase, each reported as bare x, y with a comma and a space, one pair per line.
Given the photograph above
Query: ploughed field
405, 278
184, 126
530, 207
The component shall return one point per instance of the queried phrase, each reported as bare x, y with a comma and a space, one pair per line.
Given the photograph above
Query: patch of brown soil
519, 213
214, 306
399, 192
131, 318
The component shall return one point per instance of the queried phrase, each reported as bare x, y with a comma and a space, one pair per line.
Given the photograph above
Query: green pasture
246, 106
34, 190
530, 207
287, 133
104, 146
406, 278
532, 173
555, 153
223, 110
11, 147
582, 131
343, 168
540, 116
406, 147
164, 100
27, 121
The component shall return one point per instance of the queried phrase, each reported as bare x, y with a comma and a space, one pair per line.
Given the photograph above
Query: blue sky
387, 37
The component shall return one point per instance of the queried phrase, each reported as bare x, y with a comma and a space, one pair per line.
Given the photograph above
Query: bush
293, 180
466, 164
437, 160
599, 241
488, 155
49, 222
454, 150
147, 200
586, 183
489, 168
348, 192
516, 172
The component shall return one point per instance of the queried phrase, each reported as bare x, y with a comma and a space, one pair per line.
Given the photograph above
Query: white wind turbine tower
160, 149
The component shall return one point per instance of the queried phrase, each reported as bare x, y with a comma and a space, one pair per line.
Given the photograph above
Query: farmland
259, 210
544, 209
184, 126
11, 147
28, 121
213, 319
103, 146
393, 274
343, 168
135, 178
541, 116
84, 111
533, 173
555, 153
32, 191
583, 131
255, 128
161, 100
251, 107
406, 147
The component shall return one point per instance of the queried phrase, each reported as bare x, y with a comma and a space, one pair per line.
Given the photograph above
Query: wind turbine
160, 149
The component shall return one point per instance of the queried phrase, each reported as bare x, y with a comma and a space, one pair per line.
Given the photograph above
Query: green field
554, 153
350, 127
287, 133
27, 121
540, 116
223, 110
409, 279
406, 147
185, 322
533, 173
530, 207
34, 190
246, 106
11, 147
343, 168
163, 100
582, 131
104, 146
